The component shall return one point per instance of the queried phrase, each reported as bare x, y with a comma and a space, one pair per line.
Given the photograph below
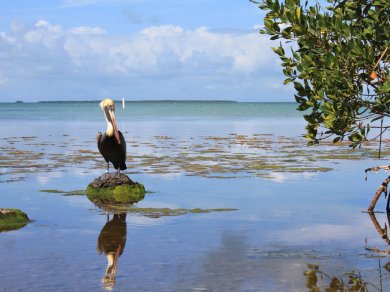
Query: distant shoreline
144, 101
117, 100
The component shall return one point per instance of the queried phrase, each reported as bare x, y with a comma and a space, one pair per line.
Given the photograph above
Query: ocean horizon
146, 100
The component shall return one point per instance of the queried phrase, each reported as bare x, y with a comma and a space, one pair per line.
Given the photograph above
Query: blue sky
137, 49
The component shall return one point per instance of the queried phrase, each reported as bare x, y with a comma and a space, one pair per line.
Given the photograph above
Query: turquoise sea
281, 216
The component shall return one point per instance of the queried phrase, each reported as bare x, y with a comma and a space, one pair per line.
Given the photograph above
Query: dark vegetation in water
113, 205
317, 280
230, 156
65, 193
161, 212
12, 219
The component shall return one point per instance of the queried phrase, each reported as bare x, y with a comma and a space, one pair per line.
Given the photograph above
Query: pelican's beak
113, 121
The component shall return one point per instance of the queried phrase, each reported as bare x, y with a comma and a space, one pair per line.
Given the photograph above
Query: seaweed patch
228, 156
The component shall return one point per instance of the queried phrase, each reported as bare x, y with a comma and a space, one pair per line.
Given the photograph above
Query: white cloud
86, 30
7, 39
44, 34
155, 49
207, 60
42, 23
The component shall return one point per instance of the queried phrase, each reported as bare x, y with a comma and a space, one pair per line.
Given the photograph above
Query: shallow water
288, 223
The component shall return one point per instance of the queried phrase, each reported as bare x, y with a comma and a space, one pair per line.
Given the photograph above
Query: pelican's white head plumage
108, 107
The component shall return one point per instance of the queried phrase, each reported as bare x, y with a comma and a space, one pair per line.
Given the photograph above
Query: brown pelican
111, 144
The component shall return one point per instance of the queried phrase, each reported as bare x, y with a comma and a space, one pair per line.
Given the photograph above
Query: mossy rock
12, 219
114, 189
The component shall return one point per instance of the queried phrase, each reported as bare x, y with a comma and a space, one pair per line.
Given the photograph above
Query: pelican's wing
122, 151
123, 142
99, 140
98, 137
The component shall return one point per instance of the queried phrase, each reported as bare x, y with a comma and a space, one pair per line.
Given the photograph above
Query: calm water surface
285, 224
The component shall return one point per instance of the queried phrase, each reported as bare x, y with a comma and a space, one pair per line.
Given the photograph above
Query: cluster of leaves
337, 58
355, 281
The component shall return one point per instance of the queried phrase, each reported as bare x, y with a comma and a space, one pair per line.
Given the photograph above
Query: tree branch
382, 189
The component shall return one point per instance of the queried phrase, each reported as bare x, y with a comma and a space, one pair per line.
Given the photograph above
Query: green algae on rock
12, 219
114, 189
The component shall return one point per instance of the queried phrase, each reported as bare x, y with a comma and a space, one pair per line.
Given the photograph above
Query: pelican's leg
118, 172
108, 167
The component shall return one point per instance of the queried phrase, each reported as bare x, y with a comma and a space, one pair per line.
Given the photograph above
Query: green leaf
298, 13
299, 29
278, 51
337, 139
298, 87
307, 59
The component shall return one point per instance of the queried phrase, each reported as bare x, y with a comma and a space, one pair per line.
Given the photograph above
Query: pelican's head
108, 107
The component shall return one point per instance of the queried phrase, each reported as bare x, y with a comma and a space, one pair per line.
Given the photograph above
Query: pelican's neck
110, 259
110, 129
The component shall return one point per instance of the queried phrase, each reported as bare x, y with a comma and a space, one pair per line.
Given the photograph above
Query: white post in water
123, 103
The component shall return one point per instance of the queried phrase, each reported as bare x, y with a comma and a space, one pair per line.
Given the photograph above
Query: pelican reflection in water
112, 241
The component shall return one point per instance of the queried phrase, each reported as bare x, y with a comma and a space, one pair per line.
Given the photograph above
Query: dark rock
111, 180
113, 189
